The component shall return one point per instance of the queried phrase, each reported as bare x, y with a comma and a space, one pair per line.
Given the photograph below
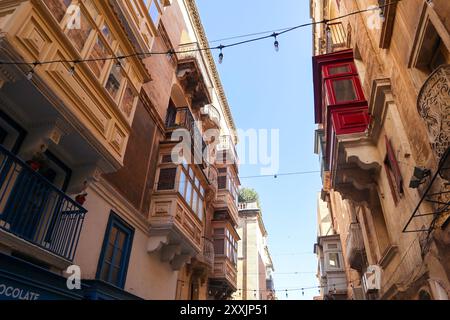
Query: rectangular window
79, 36
115, 254
114, 81
344, 90
222, 182
129, 97
167, 178
334, 260
98, 51
219, 246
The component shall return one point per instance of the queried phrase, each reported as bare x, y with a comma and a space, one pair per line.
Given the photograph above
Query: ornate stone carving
433, 105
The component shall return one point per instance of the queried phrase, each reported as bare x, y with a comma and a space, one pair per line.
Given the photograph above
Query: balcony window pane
128, 100
194, 201
98, 51
79, 34
154, 12
58, 8
219, 245
106, 31
200, 209
188, 193
222, 182
344, 90
167, 178
92, 9
339, 69
182, 185
334, 260
114, 81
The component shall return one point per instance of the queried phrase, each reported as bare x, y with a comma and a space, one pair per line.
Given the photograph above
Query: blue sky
273, 90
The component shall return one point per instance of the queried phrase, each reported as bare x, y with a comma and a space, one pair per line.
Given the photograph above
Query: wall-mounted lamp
419, 175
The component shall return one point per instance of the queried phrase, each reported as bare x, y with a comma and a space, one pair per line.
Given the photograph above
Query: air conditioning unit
372, 279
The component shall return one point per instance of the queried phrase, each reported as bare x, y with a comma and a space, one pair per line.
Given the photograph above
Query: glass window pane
202, 192
339, 69
334, 260
188, 193
58, 8
105, 271
154, 13
182, 184
114, 81
98, 51
200, 209
344, 90
79, 34
115, 275
197, 182
219, 246
109, 253
167, 178
128, 100
107, 34
194, 201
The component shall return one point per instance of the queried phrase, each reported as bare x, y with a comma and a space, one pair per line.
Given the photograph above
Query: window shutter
394, 165
167, 178
222, 182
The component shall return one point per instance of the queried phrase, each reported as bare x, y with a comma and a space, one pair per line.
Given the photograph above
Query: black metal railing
183, 118
35, 210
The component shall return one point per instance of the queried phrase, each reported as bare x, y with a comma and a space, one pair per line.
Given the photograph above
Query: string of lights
221, 47
334, 287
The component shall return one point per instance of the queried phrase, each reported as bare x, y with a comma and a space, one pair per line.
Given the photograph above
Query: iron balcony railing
208, 251
35, 210
355, 246
336, 37
183, 118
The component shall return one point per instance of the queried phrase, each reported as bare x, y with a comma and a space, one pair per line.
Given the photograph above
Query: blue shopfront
22, 280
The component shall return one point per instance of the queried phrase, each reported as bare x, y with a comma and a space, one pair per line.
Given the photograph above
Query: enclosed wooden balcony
96, 98
35, 216
225, 255
177, 212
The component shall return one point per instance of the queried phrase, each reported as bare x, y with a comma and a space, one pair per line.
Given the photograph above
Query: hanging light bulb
221, 53
276, 44
30, 74
382, 17
169, 54
118, 66
72, 71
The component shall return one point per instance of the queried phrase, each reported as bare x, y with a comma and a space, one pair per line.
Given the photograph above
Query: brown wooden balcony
193, 75
210, 117
225, 270
176, 231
